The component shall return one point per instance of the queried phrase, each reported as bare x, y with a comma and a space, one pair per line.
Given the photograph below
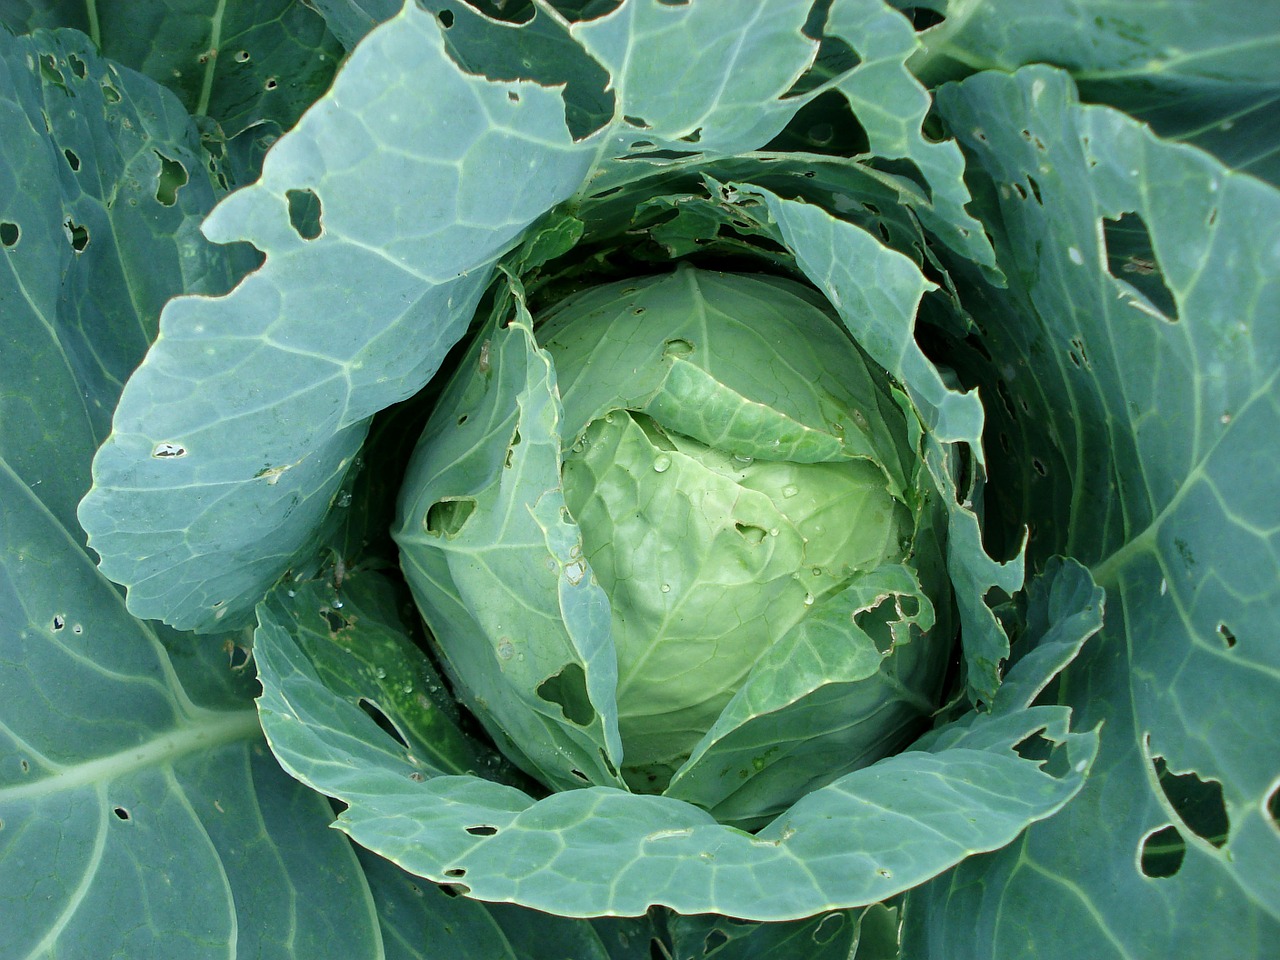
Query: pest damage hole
9, 234
826, 124
335, 620
608, 764
458, 872
109, 93
482, 830
831, 925
1132, 262
446, 18
171, 179
513, 96
1228, 637
304, 213
374, 712
1272, 808
446, 518
713, 942
122, 813
1034, 747
1198, 803
49, 71
454, 889
242, 56
59, 621
73, 161
1039, 467
271, 84
77, 234
751, 533
1162, 853
77, 66
922, 18
677, 348
567, 689
1035, 190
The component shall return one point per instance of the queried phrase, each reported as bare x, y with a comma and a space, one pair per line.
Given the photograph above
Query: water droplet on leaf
661, 463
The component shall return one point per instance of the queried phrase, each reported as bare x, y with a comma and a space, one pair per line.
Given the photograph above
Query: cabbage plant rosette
694, 548
737, 481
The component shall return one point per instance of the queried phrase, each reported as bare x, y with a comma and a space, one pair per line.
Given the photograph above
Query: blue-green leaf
231, 439
141, 814
600, 850
1139, 358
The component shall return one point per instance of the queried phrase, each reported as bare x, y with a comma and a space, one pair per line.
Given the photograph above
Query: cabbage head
739, 475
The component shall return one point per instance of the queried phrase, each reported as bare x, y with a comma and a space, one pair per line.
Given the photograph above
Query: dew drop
665, 588
742, 459
380, 673
817, 571
506, 649
808, 599
661, 463
790, 490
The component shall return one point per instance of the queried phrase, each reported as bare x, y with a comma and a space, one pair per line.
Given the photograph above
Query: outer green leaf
599, 850
140, 813
497, 565
239, 63
350, 20
732, 63
891, 106
829, 936
824, 697
421, 921
1199, 71
234, 434
877, 293
354, 635
1155, 437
